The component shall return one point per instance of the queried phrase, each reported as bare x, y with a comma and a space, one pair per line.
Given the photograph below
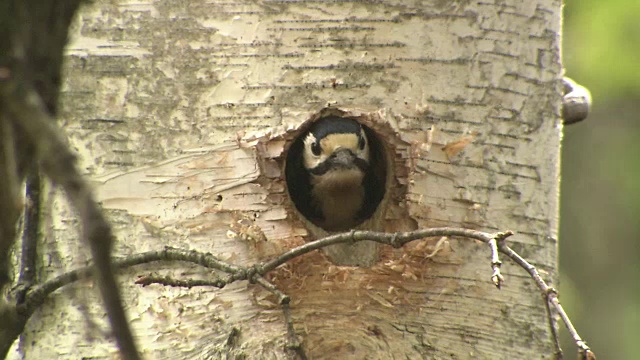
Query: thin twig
558, 355
253, 274
186, 283
204, 259
9, 198
37, 294
394, 239
30, 231
551, 296
583, 349
496, 277
292, 343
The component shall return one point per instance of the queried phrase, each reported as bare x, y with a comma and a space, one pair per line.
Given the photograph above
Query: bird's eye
315, 148
361, 141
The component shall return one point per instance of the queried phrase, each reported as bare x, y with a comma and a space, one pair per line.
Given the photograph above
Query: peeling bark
183, 112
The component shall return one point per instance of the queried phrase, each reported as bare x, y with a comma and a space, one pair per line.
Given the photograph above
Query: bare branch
551, 296
9, 195
292, 342
36, 295
394, 239
554, 332
496, 277
254, 274
30, 232
187, 283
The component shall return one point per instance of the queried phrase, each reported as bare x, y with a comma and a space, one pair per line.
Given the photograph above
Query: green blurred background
600, 201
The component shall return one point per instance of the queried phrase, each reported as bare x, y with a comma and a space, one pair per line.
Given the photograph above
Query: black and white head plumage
327, 135
335, 152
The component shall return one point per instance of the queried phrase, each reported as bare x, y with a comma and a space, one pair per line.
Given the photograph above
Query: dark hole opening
299, 185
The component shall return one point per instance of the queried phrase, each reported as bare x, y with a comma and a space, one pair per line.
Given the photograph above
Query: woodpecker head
334, 173
336, 153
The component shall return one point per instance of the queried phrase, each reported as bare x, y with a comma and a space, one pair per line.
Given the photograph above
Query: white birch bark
181, 113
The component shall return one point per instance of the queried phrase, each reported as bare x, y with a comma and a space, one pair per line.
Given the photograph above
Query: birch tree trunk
182, 113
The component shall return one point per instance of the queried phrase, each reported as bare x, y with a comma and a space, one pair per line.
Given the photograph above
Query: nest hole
376, 178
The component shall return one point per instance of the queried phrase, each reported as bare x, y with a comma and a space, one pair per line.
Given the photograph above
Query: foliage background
600, 210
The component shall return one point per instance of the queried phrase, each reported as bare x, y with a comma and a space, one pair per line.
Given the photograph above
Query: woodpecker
330, 176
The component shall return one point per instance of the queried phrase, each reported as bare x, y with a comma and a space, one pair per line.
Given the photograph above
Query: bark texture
182, 113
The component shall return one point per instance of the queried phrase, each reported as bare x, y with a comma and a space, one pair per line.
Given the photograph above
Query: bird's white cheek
311, 162
364, 153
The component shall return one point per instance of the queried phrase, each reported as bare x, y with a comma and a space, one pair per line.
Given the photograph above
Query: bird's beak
342, 158
346, 159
